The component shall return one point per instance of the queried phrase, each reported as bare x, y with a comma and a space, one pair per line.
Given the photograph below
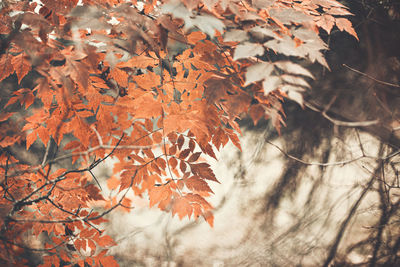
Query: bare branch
340, 122
316, 163
372, 78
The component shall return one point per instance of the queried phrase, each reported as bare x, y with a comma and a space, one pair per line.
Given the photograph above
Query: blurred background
323, 193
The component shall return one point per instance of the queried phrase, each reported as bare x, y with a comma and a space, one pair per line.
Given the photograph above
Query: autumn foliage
157, 85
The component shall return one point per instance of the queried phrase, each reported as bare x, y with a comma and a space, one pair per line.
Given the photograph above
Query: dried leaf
258, 72
248, 49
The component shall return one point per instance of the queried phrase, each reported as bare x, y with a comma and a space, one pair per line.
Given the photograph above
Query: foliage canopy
157, 85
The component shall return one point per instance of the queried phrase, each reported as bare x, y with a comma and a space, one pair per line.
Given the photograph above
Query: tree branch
372, 78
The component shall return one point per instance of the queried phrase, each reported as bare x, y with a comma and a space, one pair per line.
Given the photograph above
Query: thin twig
340, 122
344, 224
323, 164
46, 153
372, 78
98, 135
316, 163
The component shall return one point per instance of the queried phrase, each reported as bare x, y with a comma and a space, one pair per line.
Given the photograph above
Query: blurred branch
343, 226
323, 164
339, 122
316, 163
372, 78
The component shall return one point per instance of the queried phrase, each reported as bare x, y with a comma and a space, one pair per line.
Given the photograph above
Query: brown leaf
194, 157
182, 166
195, 183
184, 154
204, 171
180, 141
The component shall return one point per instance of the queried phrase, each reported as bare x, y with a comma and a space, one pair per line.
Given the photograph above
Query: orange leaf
158, 194
105, 241
182, 207
113, 182
109, 261
6, 68
345, 25
326, 22
91, 245
146, 106
172, 162
140, 62
157, 137
194, 37
30, 139
209, 217
21, 66
120, 76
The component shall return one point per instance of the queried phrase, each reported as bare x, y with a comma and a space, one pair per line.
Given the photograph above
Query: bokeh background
325, 192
